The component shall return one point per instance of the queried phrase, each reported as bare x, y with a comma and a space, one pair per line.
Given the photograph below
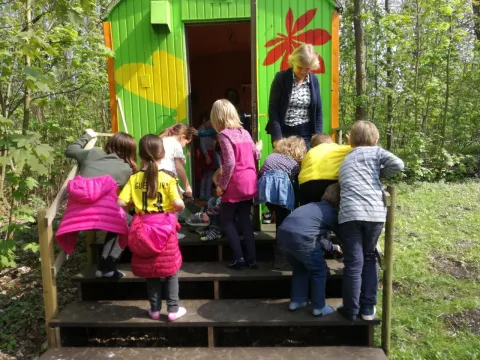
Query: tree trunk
28, 95
447, 85
389, 88
359, 61
417, 60
476, 14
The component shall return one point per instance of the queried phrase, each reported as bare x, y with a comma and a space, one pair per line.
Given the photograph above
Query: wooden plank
211, 337
45, 236
388, 272
216, 289
53, 209
201, 313
270, 353
335, 96
107, 34
214, 271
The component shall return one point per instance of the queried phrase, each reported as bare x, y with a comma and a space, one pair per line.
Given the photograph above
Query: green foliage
435, 270
67, 82
433, 46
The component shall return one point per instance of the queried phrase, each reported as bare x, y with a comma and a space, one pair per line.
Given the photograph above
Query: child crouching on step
361, 217
153, 238
303, 236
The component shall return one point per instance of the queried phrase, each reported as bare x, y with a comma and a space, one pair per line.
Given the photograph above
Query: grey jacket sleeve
391, 165
75, 151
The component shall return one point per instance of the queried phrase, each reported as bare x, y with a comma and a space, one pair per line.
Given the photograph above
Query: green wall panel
271, 20
198, 10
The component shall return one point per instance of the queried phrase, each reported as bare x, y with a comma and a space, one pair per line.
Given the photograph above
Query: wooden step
211, 271
201, 313
205, 280
274, 353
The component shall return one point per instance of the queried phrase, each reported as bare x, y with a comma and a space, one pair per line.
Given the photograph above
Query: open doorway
219, 64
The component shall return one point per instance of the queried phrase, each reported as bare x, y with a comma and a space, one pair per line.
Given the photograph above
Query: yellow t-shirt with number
136, 191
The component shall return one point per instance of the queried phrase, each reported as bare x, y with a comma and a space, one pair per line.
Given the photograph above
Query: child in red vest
238, 182
153, 238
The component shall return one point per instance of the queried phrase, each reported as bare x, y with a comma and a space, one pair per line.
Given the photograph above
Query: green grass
435, 225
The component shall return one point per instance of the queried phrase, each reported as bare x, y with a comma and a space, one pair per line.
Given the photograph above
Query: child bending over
361, 217
320, 167
303, 236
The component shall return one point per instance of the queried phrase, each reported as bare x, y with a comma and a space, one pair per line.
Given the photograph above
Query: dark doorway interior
219, 59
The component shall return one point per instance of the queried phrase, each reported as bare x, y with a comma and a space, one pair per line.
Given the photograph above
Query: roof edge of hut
113, 4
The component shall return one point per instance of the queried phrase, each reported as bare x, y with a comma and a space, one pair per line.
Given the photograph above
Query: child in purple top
238, 182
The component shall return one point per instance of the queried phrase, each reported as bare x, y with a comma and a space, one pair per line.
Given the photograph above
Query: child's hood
89, 190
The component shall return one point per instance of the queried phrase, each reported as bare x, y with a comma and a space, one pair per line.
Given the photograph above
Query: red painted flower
285, 44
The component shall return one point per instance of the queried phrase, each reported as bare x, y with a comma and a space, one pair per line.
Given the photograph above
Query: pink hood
153, 241
92, 205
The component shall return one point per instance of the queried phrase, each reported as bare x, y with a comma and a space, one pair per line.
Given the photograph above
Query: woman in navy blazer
295, 106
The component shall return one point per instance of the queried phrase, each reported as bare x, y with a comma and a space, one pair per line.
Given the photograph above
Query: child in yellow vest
320, 167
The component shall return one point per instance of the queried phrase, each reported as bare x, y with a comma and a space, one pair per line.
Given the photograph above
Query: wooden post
45, 238
388, 272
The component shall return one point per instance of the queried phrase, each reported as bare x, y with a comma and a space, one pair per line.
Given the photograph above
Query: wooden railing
50, 265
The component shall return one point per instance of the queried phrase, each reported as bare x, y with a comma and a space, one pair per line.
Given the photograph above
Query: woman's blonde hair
306, 56
224, 116
364, 133
292, 146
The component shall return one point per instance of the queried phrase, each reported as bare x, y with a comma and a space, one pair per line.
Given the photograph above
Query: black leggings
312, 191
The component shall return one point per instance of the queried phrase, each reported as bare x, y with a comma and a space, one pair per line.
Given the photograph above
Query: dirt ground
22, 317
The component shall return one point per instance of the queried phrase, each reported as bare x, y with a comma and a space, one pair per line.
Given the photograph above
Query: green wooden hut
174, 58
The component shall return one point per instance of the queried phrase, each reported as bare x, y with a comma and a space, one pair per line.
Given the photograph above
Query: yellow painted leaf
167, 82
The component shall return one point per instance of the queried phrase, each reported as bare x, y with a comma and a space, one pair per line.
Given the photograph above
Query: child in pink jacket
153, 238
238, 182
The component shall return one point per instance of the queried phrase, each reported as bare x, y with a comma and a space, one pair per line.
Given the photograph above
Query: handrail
53, 209
50, 266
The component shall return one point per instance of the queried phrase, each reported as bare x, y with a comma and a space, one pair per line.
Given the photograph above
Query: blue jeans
308, 267
360, 277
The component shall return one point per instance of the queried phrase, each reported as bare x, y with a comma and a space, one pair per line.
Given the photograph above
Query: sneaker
267, 218
196, 220
107, 268
252, 265
181, 236
327, 310
155, 315
191, 206
368, 313
211, 234
237, 264
172, 316
341, 310
294, 306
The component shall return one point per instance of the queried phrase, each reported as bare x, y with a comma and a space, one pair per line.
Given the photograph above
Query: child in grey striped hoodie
361, 217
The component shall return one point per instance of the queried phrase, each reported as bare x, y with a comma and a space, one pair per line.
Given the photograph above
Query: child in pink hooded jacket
153, 238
